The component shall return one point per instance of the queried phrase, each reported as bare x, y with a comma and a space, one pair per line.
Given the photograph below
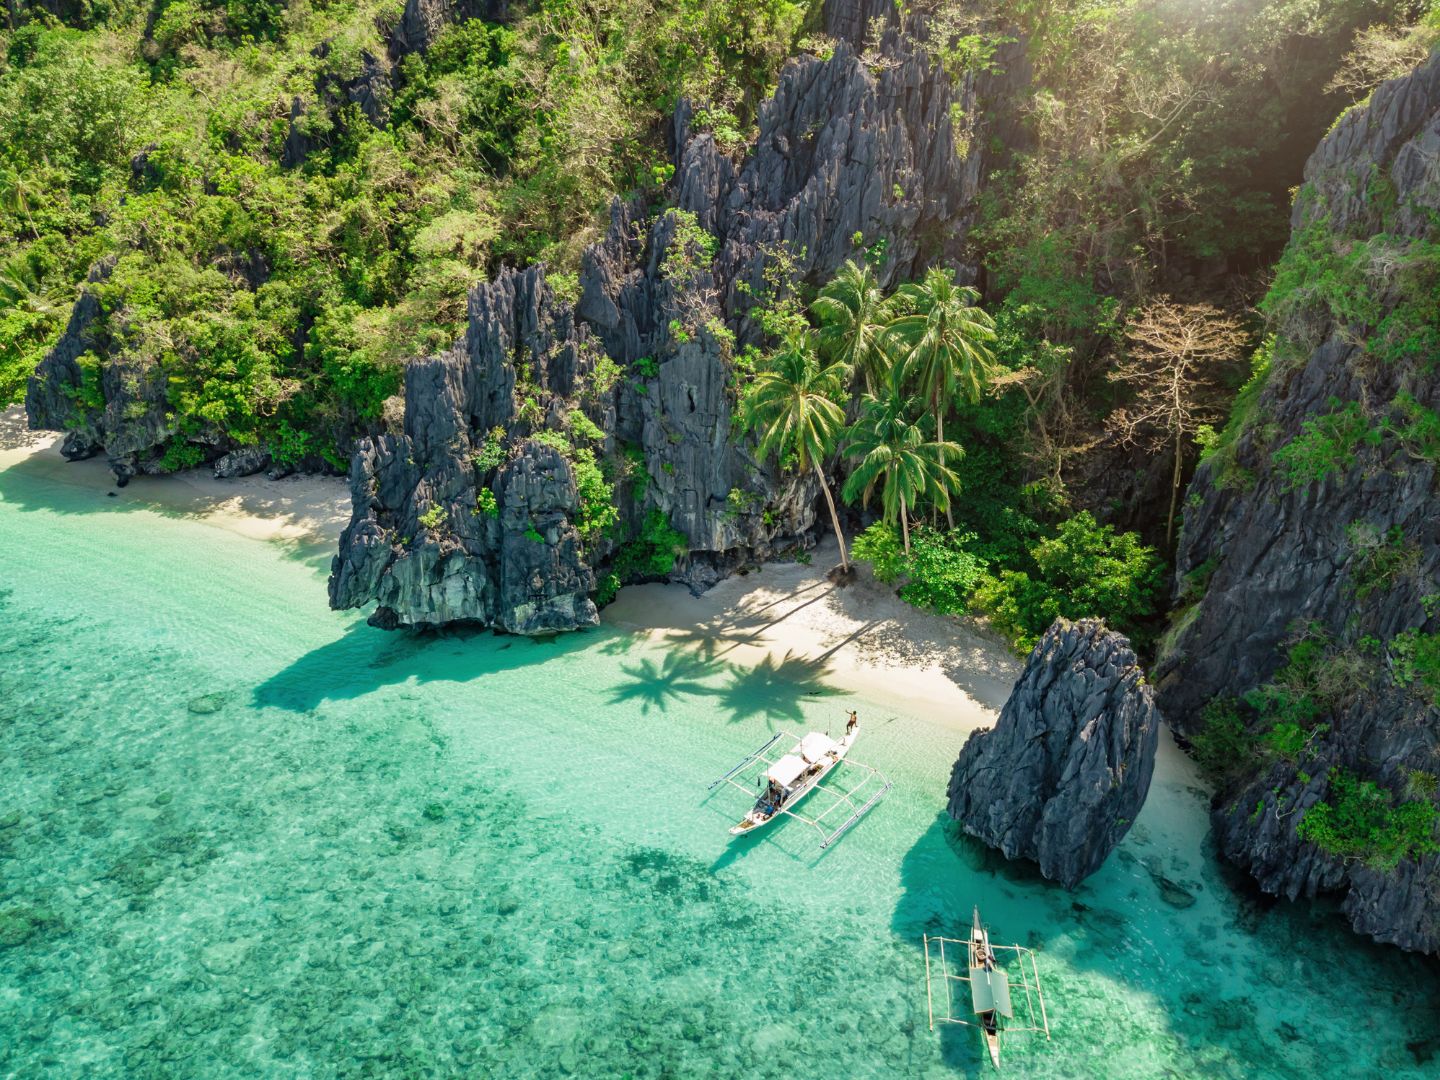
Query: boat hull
753, 822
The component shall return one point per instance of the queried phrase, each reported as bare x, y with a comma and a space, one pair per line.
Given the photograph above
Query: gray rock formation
246, 461
847, 157
54, 396
1346, 555
422, 21
1062, 775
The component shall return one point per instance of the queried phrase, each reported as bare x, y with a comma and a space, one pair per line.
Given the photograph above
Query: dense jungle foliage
293, 212
283, 301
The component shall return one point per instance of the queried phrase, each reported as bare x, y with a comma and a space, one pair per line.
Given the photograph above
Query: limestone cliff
1310, 557
851, 153
1065, 770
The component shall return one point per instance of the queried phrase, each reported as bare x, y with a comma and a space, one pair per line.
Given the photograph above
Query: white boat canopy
816, 745
990, 990
846, 799
787, 770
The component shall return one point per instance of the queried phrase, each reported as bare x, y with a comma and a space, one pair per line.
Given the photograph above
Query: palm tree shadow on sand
777, 689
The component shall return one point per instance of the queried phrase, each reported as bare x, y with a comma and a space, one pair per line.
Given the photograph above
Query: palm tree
943, 343
794, 402
851, 312
895, 455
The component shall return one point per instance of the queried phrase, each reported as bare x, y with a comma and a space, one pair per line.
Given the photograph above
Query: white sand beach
859, 638
296, 509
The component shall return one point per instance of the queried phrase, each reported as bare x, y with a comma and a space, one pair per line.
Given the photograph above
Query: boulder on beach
1065, 770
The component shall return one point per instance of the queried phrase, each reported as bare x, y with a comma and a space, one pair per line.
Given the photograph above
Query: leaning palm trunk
834, 517
940, 438
905, 525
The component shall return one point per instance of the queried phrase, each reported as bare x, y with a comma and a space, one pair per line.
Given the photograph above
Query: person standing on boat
852, 723
776, 794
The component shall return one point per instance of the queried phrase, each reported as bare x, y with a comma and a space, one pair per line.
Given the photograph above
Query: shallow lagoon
242, 835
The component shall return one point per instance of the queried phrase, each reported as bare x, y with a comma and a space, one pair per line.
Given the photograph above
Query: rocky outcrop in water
1064, 772
1310, 557
637, 371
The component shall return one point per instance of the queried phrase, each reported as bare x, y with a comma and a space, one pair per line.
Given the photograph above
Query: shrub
880, 546
486, 503
433, 518
1086, 570
1415, 658
653, 552
940, 574
606, 588
181, 455
1325, 444
1357, 821
597, 496
1379, 561
491, 454
1223, 748
582, 427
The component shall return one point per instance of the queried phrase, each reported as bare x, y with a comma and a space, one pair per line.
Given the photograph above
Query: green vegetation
1379, 561
1360, 820
598, 510
268, 295
891, 451
1084, 570
653, 552
1223, 748
1325, 444
433, 518
793, 402
1415, 661
940, 573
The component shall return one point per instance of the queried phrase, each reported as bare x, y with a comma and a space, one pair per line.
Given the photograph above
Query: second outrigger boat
989, 1007
990, 988
789, 776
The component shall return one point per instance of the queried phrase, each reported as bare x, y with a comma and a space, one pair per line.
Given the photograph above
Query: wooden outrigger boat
988, 986
785, 779
991, 1009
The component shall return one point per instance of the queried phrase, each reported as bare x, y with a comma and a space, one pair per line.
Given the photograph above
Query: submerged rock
1062, 775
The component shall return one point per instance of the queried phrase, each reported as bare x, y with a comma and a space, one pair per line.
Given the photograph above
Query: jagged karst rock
52, 395
246, 461
852, 20
422, 21
1275, 559
1064, 772
844, 152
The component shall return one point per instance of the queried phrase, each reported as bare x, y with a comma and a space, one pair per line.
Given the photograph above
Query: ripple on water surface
243, 835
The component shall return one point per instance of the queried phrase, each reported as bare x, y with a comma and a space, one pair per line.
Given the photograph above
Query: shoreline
300, 509
860, 638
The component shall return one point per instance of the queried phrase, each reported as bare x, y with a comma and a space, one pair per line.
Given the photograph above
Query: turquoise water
241, 835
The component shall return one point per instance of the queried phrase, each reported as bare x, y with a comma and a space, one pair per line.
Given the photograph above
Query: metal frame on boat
987, 989
857, 799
